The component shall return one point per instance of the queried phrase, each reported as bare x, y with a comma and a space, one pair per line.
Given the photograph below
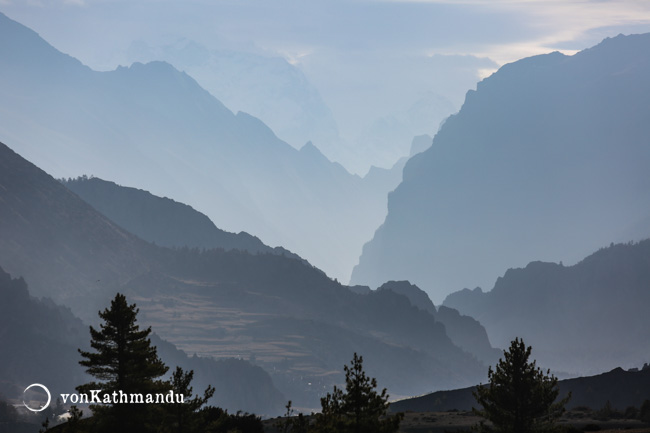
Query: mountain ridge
545, 161
153, 127
220, 303
620, 388
569, 313
162, 220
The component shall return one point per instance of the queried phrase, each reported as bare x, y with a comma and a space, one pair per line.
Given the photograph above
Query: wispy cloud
554, 25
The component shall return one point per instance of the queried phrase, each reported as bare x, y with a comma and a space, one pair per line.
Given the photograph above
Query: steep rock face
583, 319
546, 160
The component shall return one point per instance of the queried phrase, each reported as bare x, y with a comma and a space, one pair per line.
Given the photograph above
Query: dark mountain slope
40, 339
218, 302
621, 388
69, 251
546, 160
466, 332
162, 221
417, 296
583, 318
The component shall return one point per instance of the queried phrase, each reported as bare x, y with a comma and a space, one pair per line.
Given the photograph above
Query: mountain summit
547, 160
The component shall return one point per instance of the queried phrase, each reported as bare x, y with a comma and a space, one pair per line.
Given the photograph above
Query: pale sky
365, 57
504, 30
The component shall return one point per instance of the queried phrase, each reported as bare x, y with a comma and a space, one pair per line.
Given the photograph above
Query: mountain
386, 139
584, 318
162, 221
268, 88
172, 224
152, 127
283, 314
620, 388
466, 332
546, 160
40, 341
279, 92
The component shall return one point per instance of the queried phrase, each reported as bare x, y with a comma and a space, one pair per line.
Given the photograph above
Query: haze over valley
276, 197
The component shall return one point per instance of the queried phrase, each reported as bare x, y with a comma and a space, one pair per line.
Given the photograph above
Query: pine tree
123, 360
360, 408
520, 398
183, 418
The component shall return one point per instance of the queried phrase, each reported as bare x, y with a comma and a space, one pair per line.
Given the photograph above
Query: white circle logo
44, 388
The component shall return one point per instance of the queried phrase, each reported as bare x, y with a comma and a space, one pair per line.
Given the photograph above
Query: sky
368, 59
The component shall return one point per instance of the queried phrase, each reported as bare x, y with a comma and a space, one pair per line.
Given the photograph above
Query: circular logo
44, 388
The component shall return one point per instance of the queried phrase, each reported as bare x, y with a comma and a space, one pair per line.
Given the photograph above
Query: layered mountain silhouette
280, 312
269, 88
152, 127
546, 160
162, 221
585, 318
40, 341
466, 332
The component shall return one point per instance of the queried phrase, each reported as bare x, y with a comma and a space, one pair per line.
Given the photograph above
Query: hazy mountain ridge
162, 221
466, 332
279, 92
169, 223
269, 88
153, 127
569, 314
545, 160
217, 302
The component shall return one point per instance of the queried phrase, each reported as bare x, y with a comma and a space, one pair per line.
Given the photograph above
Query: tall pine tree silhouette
360, 409
520, 398
123, 360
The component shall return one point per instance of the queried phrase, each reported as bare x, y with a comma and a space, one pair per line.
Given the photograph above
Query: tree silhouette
183, 417
520, 398
359, 409
123, 360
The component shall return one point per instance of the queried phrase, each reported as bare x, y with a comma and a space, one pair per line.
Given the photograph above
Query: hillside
162, 221
40, 341
284, 314
569, 314
546, 160
621, 388
466, 332
153, 127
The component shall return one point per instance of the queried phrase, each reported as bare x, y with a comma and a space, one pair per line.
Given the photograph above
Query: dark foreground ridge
620, 388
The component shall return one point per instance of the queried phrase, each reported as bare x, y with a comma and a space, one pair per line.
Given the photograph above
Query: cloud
550, 25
